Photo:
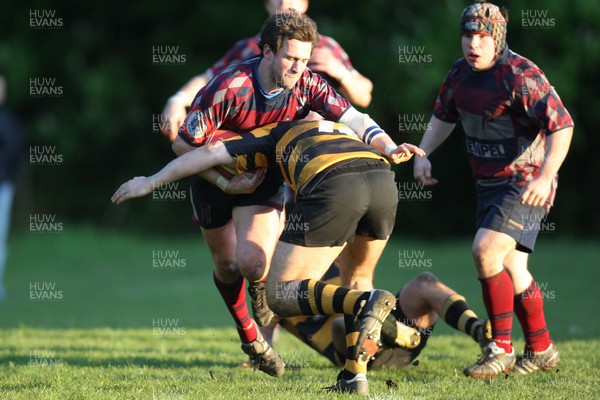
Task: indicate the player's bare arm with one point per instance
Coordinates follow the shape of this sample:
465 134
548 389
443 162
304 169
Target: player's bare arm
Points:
181 147
355 87
404 152
174 111
396 153
245 183
370 133
192 162
537 191
437 132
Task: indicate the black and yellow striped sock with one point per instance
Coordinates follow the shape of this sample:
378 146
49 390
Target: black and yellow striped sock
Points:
318 298
352 366
458 315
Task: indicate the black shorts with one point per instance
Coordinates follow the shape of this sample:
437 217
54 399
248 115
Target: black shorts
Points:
395 356
357 197
213 207
499 209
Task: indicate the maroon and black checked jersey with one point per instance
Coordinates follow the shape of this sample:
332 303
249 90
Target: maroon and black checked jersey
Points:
234 100
247 48
506 113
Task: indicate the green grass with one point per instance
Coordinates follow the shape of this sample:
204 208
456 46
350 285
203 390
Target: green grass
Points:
97 340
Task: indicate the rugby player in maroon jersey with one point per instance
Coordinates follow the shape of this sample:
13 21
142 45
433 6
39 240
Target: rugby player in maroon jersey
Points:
241 230
517 133
328 59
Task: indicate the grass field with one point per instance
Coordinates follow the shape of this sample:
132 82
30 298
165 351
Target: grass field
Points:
93 315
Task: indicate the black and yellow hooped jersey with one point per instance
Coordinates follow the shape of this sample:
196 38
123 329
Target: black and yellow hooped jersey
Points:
300 149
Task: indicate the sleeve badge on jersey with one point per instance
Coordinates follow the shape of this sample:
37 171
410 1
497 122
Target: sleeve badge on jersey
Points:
196 125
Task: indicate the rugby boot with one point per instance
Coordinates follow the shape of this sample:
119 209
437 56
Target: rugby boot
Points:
394 333
370 317
263 357
531 361
493 361
357 385
260 309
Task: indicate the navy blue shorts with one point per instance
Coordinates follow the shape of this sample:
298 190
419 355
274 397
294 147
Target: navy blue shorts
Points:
499 209
213 207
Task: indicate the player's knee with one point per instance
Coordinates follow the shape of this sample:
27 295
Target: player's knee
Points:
252 263
420 283
254 271
486 259
363 284
426 278
481 254
226 271
491 247
360 281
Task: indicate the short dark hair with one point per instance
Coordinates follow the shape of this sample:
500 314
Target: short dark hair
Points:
287 24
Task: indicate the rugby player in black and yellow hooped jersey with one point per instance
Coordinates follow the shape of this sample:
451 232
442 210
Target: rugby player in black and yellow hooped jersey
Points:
345 196
419 304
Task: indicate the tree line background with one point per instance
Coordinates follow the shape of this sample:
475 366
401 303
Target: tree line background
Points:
102 124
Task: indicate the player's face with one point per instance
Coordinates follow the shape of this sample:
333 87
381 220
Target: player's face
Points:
479 51
289 63
274 5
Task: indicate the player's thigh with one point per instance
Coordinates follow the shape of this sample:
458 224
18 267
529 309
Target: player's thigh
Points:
358 261
294 262
221 243
257 229
258 223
